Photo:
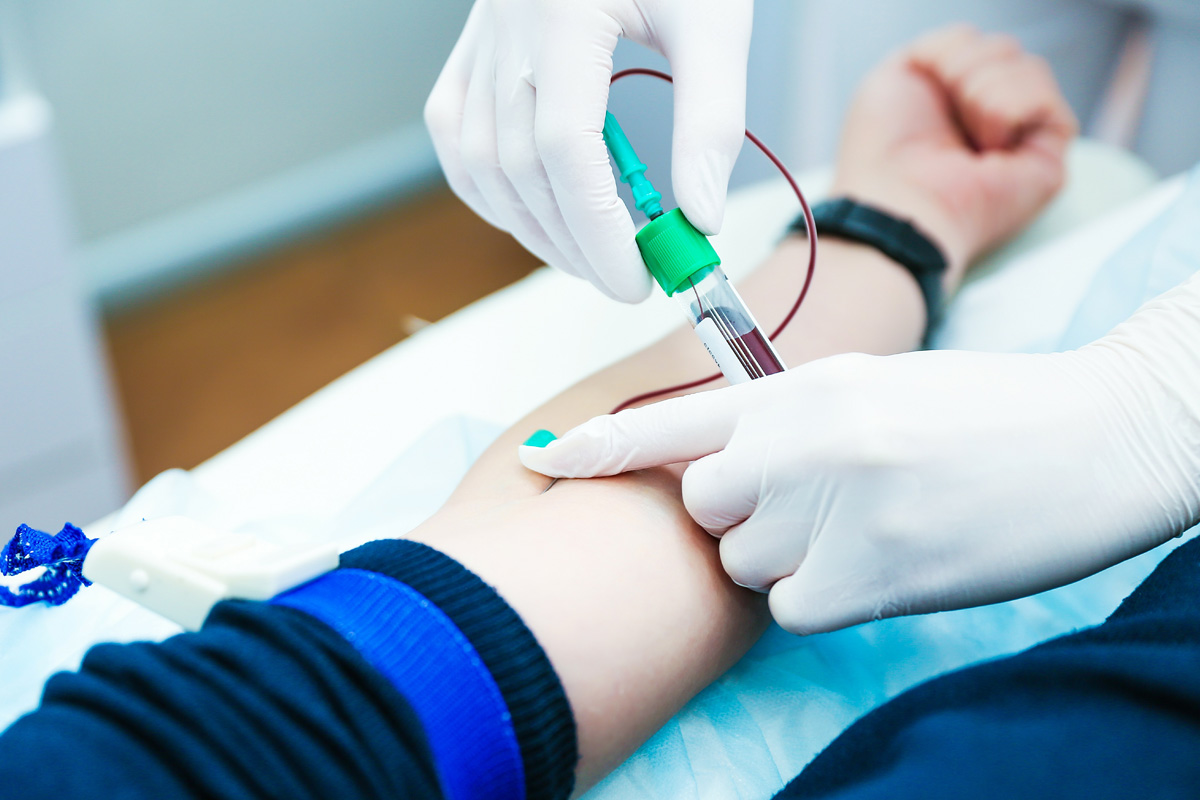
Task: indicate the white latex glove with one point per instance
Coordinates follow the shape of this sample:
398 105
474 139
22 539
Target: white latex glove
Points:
517 113
862 487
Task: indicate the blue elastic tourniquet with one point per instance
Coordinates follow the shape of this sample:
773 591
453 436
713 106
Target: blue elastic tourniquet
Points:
413 644
62 556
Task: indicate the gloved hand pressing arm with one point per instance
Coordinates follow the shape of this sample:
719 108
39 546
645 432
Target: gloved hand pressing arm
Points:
517 113
859 487
862 487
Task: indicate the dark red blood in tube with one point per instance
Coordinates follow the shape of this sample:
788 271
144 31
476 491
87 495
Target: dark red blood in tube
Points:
752 348
759 350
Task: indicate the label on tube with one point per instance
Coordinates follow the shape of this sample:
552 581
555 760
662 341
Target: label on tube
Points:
721 352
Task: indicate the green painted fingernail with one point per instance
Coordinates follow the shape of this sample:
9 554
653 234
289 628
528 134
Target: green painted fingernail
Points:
540 439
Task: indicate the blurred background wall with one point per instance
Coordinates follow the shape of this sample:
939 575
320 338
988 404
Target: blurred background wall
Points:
192 129
62 455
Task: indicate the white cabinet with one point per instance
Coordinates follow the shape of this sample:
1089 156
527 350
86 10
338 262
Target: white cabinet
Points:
61 454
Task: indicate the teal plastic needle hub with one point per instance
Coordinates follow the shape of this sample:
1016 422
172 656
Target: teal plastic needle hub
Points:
633 171
674 251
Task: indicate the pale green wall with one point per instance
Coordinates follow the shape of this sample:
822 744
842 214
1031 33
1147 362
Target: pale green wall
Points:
163 104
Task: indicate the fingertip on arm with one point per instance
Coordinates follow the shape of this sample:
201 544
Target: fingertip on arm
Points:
546 460
592 450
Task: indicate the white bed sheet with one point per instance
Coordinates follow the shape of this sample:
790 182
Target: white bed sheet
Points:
377 451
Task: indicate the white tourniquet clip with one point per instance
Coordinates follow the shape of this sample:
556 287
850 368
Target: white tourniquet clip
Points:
180 569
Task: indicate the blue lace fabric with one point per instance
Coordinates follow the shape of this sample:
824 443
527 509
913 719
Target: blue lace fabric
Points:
61 555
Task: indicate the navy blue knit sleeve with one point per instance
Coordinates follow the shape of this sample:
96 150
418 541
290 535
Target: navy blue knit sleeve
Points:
540 714
264 702
285 699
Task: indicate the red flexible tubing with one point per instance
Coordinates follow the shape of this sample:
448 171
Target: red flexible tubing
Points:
809 224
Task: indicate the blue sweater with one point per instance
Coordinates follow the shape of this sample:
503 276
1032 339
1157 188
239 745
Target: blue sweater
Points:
401 675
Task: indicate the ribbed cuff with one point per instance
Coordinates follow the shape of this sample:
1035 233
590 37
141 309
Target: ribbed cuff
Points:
418 649
541 715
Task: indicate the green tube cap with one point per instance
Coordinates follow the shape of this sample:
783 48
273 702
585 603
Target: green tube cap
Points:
674 250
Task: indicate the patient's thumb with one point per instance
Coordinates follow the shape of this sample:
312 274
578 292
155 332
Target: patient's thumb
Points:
671 432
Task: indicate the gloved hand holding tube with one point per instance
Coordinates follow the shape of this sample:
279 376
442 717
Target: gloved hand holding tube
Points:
517 113
860 487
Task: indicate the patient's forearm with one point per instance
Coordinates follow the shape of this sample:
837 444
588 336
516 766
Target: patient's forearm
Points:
859 302
624 592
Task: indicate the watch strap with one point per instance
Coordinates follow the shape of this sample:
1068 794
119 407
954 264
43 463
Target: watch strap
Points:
896 238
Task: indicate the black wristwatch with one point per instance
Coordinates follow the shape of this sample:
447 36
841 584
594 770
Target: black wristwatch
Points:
897 239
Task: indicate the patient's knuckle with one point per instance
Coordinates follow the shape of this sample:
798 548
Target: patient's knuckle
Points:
1004 44
981 91
1040 67
948 36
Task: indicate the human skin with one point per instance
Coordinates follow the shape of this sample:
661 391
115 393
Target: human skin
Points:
619 585
622 589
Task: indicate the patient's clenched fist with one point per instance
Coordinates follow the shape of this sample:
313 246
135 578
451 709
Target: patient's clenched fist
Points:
963 133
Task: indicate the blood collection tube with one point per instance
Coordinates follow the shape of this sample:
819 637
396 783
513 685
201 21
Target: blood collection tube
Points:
724 324
686 266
